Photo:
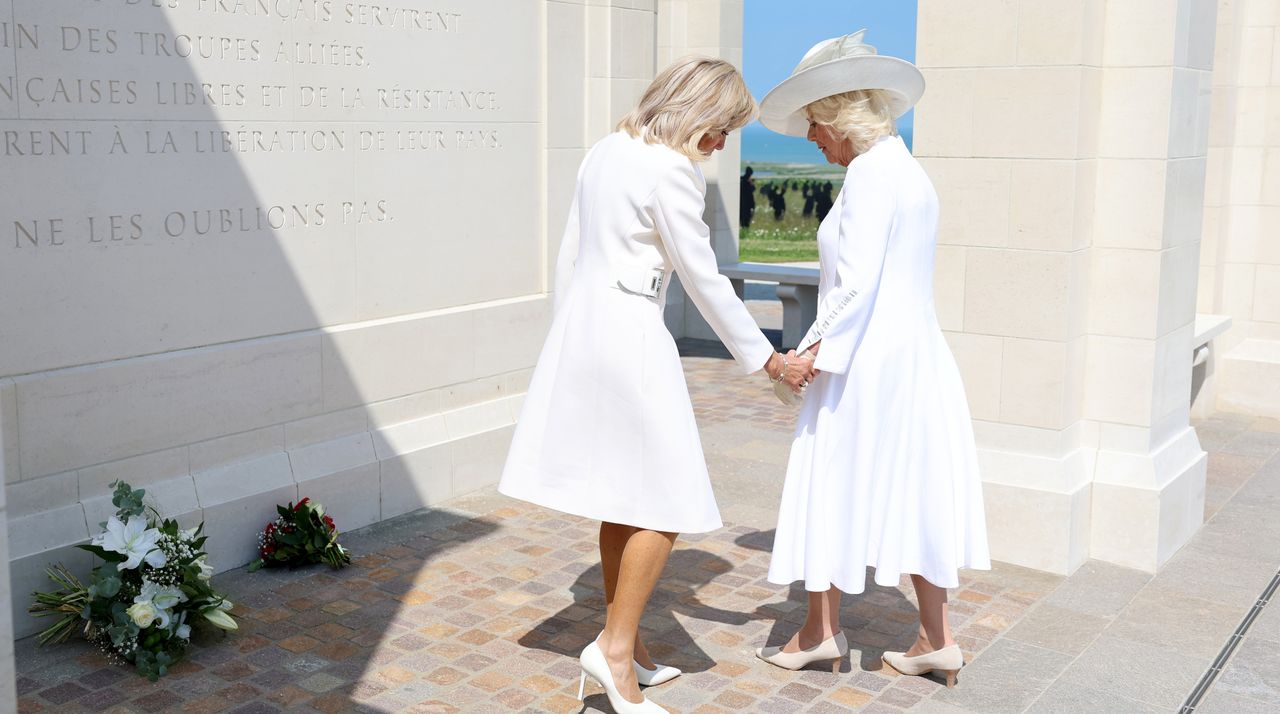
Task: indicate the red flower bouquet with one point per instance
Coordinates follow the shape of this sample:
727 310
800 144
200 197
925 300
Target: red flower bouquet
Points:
301 535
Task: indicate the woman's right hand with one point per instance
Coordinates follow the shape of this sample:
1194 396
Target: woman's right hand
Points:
799 371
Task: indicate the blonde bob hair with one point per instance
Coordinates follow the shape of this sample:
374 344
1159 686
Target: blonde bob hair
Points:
693 97
861 116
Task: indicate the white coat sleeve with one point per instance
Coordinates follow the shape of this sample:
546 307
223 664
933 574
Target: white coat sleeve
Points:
677 205
568 255
866 222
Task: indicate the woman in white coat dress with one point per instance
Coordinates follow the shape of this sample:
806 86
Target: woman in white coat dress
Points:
607 430
883 469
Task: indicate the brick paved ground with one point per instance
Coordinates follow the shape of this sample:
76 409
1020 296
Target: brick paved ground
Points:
482 606
455 613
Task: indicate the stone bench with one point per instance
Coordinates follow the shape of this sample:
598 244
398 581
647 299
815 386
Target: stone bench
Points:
1206 328
797 289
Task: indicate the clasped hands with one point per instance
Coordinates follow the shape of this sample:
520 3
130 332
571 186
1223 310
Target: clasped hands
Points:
798 371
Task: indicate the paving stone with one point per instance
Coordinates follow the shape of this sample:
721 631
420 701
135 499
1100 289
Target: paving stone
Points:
1267 624
1224 578
1253 672
1221 702
63 693
320 683
1177 623
162 700
1259 444
102 699
1065 696
101 678
1007 677
1058 629
1149 674
1099 589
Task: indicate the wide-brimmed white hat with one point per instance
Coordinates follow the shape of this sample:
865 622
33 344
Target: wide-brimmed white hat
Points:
834 66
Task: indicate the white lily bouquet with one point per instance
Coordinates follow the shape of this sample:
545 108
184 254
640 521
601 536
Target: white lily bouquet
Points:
143 599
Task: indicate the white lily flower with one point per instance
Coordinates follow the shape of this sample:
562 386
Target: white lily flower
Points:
161 598
134 541
165 597
220 619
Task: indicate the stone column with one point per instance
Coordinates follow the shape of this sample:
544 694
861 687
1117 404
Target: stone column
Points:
1148 495
1240 258
600 58
1067 143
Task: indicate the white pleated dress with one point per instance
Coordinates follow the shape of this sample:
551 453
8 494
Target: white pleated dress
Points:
607 429
883 470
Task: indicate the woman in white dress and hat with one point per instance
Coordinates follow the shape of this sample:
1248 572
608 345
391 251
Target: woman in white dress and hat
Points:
883 470
607 430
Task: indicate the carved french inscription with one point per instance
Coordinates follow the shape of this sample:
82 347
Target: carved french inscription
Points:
191 172
239 82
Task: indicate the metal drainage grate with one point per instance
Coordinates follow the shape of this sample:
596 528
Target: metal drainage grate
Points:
1206 681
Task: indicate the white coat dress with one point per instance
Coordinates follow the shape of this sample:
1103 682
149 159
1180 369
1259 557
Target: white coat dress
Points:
607 430
883 469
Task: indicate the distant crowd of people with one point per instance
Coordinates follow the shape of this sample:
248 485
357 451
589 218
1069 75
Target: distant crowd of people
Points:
816 194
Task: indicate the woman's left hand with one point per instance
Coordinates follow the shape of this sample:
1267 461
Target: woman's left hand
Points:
799 371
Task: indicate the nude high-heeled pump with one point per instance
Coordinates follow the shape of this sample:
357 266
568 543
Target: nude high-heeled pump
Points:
597 667
946 661
832 648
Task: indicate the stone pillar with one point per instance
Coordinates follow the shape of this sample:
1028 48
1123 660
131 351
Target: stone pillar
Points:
1067 142
600 58
1240 258
713 28
1148 496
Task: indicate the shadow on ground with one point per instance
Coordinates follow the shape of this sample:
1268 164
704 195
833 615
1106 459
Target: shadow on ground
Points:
571 629
862 616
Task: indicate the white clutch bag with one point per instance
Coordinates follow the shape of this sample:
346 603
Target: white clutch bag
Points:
786 396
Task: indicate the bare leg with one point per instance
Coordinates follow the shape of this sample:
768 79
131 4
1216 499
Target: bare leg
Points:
613 539
935 627
821 622
643 557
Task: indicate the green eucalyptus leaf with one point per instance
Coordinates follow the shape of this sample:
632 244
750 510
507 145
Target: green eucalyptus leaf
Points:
108 555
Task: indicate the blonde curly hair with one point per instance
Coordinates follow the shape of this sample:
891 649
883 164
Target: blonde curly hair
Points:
861 116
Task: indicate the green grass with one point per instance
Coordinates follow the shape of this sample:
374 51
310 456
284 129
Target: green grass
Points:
792 239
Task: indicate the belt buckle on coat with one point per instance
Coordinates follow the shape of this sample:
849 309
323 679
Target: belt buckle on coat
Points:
653 286
644 281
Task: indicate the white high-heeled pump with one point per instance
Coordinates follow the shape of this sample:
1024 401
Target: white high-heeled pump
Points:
947 661
833 648
660 674
594 664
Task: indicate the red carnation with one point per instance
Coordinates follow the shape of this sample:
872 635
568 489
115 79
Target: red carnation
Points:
301 503
329 522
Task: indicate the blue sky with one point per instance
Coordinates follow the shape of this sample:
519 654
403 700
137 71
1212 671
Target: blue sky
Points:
777 33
